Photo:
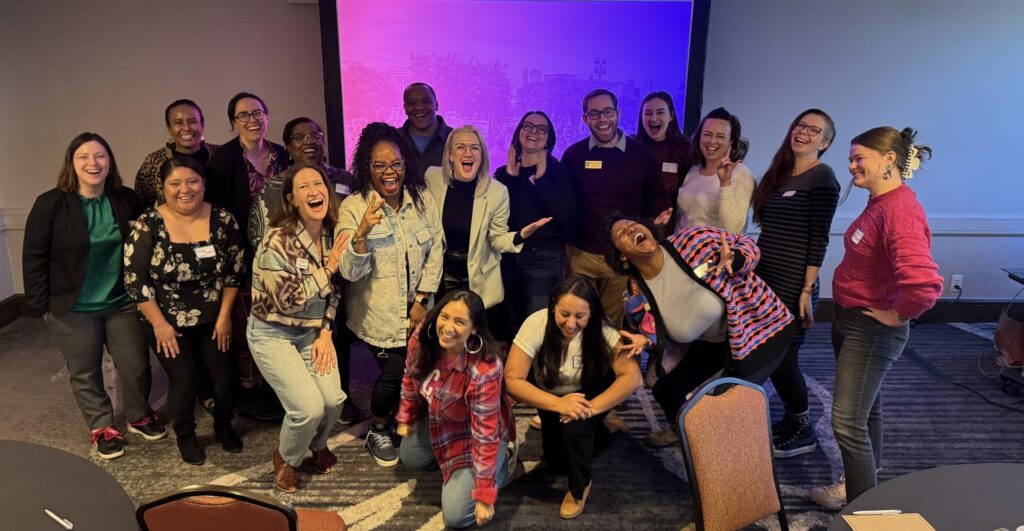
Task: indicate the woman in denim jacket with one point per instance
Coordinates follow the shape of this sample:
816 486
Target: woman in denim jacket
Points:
393 263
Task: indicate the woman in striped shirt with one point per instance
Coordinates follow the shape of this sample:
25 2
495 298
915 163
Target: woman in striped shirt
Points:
794 204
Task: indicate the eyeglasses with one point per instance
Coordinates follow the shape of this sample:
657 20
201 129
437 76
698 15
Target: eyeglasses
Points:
535 128
461 148
382 167
812 130
246 116
318 136
607 113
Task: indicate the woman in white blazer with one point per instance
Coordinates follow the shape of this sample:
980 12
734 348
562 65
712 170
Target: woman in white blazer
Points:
474 215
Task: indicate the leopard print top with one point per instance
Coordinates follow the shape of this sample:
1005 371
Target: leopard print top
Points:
147 180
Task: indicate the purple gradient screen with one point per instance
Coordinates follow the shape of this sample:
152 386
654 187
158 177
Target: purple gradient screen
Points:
491 61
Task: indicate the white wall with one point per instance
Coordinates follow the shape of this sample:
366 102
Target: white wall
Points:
954 70
112 66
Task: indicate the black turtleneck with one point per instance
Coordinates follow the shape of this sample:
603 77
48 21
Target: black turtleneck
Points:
457 215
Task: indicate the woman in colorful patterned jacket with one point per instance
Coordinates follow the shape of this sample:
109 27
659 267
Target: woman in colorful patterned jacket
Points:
697 286
295 294
454 411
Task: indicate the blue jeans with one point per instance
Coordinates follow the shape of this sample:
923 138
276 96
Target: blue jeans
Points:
311 402
458 508
865 350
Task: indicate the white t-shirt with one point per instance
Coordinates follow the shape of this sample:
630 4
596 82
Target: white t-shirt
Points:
530 337
689 310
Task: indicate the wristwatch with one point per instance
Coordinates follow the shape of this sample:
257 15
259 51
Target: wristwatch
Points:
422 299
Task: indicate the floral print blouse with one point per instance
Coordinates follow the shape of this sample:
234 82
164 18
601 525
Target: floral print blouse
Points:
185 279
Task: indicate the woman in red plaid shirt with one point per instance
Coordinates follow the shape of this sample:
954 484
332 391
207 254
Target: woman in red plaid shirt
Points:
454 412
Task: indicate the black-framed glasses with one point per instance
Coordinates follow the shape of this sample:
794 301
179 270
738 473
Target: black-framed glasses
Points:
607 112
244 116
316 135
382 167
535 128
812 130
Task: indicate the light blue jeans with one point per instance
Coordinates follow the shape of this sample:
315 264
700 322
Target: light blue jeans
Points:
311 402
865 351
458 508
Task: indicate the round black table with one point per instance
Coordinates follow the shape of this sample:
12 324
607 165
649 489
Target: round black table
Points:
34 477
978 497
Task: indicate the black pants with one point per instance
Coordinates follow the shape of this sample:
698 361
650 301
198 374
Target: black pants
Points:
388 387
197 342
788 380
571 447
343 339
703 359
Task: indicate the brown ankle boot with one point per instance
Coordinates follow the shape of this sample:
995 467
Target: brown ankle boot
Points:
323 460
285 478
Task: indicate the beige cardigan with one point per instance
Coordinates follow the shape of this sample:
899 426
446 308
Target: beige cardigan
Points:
488 234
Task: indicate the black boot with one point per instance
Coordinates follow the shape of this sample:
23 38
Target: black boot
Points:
191 452
229 439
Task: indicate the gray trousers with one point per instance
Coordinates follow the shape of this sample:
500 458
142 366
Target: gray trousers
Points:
81 338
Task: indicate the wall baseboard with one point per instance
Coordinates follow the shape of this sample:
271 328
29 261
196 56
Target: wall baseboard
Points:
11 309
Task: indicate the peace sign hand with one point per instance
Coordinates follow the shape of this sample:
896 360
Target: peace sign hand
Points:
725 169
372 216
725 257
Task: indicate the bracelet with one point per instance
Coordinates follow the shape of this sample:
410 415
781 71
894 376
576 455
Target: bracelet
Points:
363 239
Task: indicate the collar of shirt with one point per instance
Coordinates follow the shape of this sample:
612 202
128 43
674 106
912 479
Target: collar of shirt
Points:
306 240
621 144
439 133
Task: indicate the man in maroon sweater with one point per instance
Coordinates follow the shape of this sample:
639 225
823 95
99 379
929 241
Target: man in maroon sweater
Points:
611 174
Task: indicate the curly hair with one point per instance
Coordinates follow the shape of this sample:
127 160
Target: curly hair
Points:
373 134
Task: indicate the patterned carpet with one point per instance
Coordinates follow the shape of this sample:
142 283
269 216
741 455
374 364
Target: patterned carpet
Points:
928 421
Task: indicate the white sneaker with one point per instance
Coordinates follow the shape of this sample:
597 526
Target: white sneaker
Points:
830 496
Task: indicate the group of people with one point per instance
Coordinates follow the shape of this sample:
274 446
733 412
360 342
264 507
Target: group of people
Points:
543 282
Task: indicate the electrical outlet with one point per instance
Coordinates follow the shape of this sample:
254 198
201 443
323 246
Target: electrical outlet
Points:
956 283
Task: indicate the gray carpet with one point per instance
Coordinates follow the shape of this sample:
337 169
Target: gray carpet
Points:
929 423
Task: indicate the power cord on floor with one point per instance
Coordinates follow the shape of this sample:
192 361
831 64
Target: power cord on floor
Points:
936 315
937 373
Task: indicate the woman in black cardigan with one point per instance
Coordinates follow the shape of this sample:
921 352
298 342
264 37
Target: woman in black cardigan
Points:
236 173
72 265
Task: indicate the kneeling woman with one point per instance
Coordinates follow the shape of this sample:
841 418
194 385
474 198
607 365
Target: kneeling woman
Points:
580 378
454 370
293 307
698 286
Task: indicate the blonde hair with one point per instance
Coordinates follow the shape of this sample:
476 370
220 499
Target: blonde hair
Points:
483 174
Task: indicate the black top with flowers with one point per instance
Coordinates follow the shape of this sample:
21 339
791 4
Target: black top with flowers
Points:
186 279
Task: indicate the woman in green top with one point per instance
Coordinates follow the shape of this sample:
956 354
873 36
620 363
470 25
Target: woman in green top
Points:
71 262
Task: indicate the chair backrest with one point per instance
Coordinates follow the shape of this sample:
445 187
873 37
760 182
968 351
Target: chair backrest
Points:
218 507
728 450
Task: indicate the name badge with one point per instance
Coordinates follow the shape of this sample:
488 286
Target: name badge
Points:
790 193
302 263
670 167
857 235
341 189
701 270
593 164
206 251
577 361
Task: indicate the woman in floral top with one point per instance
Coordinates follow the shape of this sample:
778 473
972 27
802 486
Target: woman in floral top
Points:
182 265
454 411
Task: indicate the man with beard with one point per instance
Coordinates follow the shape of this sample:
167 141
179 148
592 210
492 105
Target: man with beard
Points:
611 173
424 129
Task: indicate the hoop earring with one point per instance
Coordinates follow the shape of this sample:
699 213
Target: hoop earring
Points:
478 348
429 328
624 262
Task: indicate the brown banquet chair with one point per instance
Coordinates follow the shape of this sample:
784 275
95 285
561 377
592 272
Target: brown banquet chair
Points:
216 507
727 446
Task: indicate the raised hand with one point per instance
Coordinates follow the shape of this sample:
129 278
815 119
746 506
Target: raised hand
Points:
725 169
372 216
631 344
725 257
542 166
663 218
512 166
528 230
334 259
